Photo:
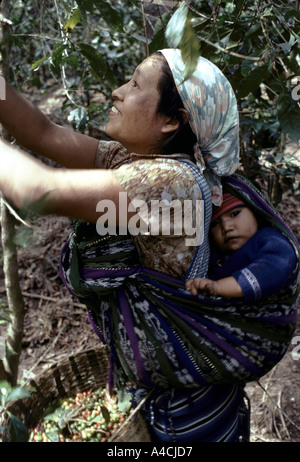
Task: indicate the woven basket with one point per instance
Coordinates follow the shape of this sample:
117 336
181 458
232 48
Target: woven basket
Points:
86 371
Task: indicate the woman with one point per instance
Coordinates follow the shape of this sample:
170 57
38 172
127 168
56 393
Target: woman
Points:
150 120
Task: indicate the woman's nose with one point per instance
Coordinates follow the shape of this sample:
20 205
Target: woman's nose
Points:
118 93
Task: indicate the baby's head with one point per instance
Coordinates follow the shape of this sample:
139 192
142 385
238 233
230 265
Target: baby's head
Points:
232 224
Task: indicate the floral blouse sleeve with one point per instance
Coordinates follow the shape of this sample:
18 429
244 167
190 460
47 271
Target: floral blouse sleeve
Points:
110 154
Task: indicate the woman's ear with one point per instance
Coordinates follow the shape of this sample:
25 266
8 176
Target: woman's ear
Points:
172 124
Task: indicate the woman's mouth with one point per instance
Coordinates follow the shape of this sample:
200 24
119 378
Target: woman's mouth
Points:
114 110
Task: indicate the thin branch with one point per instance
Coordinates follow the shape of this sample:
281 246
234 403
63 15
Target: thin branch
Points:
52 299
232 53
10 263
145 27
276 405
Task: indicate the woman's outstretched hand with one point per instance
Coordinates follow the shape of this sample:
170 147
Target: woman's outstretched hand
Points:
35 131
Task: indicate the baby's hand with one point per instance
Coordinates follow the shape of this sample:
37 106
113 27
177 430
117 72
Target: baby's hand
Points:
201 284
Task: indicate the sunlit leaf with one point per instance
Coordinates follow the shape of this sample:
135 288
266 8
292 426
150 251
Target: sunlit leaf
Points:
5 388
124 400
189 46
17 393
78 117
73 20
176 26
180 34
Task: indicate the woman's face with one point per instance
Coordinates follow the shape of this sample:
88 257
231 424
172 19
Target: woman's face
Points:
133 119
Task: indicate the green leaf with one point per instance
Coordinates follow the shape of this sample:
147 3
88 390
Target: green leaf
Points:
124 400
189 46
97 62
255 76
18 393
110 15
289 116
176 26
83 7
53 435
106 414
78 117
286 47
158 41
73 21
5 388
180 33
58 57
86 5
18 431
39 62
72 61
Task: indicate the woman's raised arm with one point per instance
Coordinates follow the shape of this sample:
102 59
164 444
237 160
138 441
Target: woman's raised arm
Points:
26 182
33 130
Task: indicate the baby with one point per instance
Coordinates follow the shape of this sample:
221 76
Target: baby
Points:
247 260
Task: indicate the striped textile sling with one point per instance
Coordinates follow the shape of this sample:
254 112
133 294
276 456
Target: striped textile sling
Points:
199 350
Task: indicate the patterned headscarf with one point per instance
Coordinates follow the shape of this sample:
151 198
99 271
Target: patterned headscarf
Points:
211 103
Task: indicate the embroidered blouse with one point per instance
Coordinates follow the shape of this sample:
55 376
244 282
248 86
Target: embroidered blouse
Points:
171 197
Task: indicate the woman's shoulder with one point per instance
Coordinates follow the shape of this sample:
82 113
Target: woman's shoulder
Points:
111 155
166 178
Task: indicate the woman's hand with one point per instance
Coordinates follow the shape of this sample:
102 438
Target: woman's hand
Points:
25 181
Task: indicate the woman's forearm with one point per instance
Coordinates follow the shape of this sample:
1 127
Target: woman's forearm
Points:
29 184
22 120
21 176
35 131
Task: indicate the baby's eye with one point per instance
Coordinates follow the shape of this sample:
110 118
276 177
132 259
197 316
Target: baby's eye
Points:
135 84
235 213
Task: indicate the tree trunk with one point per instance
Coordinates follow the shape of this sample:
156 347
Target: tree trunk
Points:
9 364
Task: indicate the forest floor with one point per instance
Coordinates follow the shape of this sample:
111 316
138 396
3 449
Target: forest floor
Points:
56 327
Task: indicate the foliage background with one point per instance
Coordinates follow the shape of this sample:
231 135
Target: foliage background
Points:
91 46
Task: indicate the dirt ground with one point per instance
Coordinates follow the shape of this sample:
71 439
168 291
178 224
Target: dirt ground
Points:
56 326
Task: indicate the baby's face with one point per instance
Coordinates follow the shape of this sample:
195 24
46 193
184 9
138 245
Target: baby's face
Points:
234 228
